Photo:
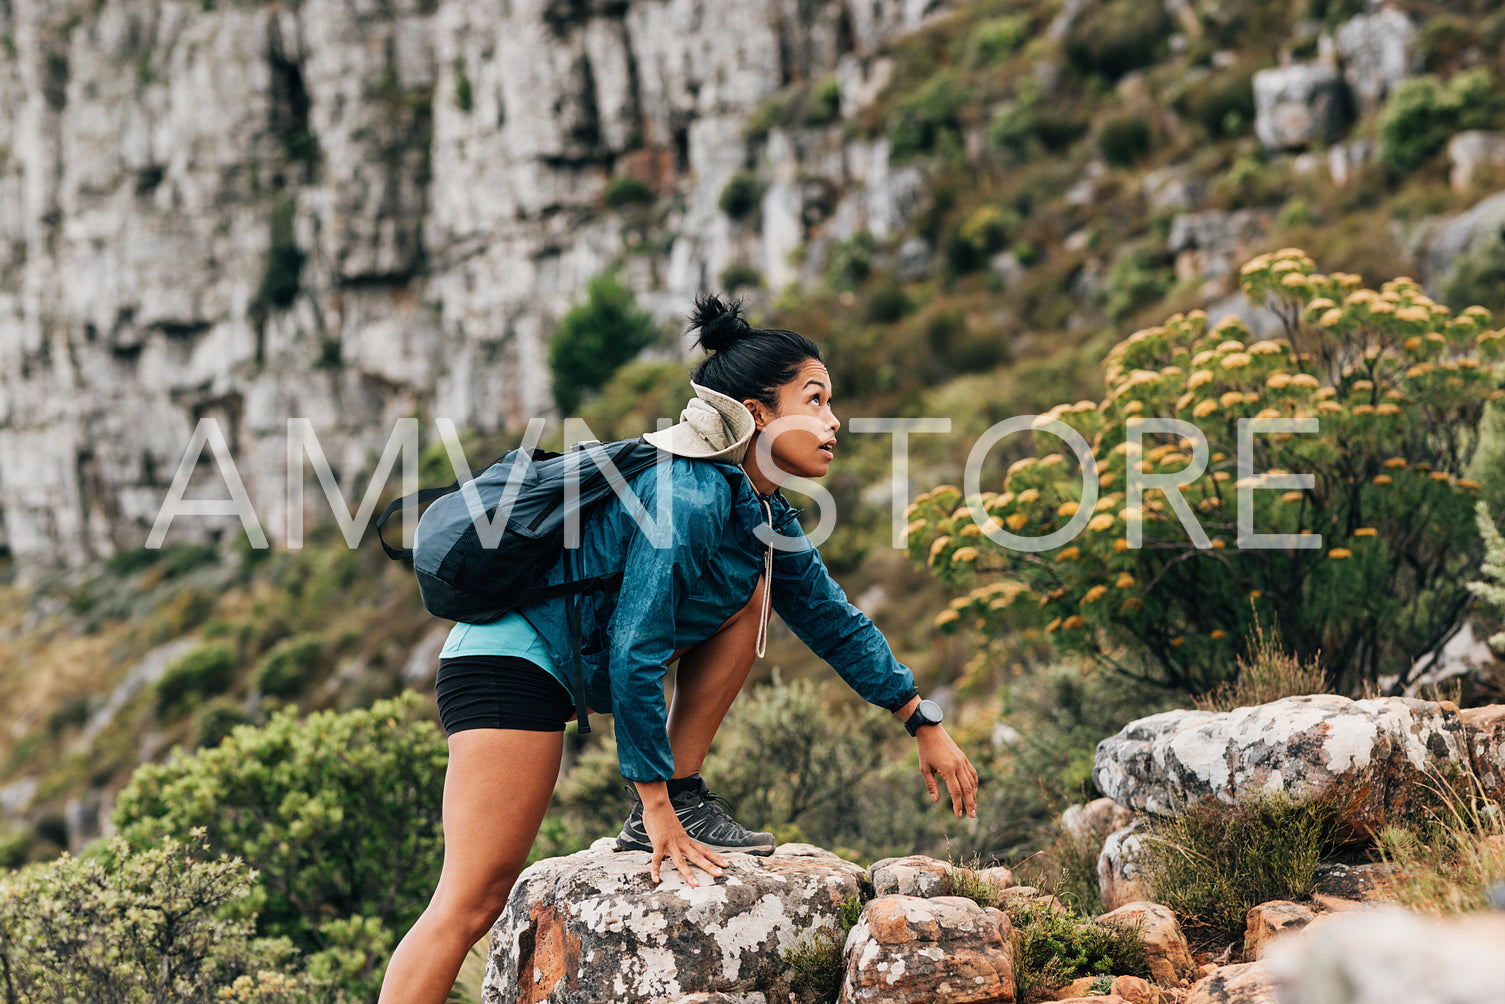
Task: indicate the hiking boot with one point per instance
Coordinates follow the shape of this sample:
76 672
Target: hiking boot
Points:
700 812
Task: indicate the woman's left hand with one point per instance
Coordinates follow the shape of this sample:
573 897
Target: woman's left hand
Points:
939 754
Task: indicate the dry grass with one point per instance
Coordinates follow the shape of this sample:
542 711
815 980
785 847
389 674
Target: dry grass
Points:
1268 673
1451 861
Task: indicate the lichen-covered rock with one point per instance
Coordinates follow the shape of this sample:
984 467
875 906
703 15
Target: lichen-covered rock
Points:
1095 820
1267 920
1248 983
1118 877
1170 957
1376 755
1485 728
1298 106
592 927
1392 955
1379 50
1362 882
908 950
915 875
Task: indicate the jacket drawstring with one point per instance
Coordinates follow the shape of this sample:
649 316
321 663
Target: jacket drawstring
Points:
767 581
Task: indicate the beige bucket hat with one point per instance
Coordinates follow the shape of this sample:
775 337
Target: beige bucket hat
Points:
713 426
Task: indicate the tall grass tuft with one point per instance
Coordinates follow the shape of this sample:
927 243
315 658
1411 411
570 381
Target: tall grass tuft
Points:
1266 674
1214 861
1453 861
817 959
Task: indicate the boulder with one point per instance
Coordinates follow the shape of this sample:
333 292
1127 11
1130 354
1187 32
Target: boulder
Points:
592 927
1460 234
1298 106
1379 50
1118 877
915 875
1485 729
1374 756
1267 920
1338 883
1170 958
1468 151
1095 820
1388 954
905 950
1249 983
1135 990
1210 244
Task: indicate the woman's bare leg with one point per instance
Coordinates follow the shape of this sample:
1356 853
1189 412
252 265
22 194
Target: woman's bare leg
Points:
709 677
496 789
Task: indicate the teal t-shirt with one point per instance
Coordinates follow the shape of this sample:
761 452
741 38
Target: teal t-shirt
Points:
511 635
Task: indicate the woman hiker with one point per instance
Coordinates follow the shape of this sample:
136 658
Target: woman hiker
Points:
504 689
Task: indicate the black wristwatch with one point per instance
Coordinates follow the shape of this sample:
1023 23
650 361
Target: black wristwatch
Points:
928 713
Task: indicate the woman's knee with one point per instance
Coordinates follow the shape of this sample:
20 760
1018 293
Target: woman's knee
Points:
474 910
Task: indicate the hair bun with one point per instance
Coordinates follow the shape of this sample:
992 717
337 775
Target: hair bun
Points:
720 321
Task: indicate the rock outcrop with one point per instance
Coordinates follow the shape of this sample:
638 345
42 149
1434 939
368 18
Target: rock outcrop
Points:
593 928
353 213
1170 958
1269 920
1298 106
909 950
1247 983
1374 757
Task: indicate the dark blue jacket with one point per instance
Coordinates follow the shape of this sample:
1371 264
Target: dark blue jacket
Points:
678 595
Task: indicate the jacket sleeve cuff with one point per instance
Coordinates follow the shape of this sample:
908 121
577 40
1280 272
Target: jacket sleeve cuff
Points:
904 699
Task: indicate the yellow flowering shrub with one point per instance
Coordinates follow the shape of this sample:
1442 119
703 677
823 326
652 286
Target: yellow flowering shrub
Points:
1398 385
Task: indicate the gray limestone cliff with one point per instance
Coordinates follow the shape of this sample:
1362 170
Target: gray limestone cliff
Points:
352 211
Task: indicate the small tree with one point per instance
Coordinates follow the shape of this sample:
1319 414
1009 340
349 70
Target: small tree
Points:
1398 386
595 338
339 815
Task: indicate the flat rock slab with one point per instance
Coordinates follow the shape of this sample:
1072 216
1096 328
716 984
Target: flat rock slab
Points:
592 927
1249 983
909 950
1376 757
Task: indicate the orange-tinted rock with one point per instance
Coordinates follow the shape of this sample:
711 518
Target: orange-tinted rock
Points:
1267 920
1485 731
1135 990
909 950
1118 878
1170 958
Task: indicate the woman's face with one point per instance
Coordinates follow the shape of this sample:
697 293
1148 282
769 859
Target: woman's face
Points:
802 432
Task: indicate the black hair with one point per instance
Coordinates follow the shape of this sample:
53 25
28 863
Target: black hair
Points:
745 362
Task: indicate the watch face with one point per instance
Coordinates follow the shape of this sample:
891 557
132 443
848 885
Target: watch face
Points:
930 712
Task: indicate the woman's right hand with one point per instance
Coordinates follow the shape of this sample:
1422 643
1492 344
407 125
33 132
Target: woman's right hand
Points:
670 839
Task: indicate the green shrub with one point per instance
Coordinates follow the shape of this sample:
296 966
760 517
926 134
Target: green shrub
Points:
986 228
464 96
1400 387
1052 948
1491 589
739 275
216 720
1025 127
126 925
996 40
339 815
816 959
1221 103
930 117
284 671
281 277
850 262
1478 276
594 338
1215 861
1125 140
1423 113
887 303
625 190
204 672
825 103
1119 36
742 196
1138 277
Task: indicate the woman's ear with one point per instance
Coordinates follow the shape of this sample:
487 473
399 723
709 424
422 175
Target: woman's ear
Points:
760 413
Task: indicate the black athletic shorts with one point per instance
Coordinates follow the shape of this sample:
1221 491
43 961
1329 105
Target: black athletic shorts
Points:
500 692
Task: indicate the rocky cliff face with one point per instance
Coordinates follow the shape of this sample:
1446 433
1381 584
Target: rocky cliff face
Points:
356 210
